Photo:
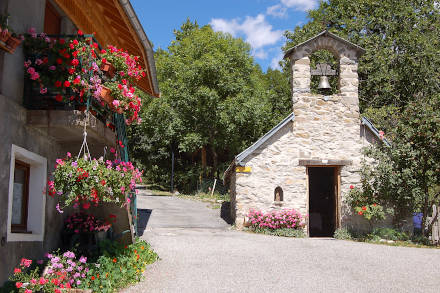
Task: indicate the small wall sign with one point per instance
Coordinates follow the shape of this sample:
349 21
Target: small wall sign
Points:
243 169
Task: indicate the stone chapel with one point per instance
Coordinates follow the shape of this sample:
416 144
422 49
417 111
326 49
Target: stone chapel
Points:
310 159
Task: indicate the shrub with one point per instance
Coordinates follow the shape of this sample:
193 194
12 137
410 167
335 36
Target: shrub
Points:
342 234
389 234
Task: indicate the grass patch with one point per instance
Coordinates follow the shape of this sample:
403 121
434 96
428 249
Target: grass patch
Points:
215 201
385 236
282 232
161 193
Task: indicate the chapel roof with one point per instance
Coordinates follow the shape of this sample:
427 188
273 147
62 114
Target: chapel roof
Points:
323 34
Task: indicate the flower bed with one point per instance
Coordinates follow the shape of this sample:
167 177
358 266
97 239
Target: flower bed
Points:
288 223
116 267
84 182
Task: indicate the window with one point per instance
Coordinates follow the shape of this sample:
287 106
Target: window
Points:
278 194
20 197
26 199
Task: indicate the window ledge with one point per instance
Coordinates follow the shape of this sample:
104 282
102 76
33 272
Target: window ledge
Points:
14 237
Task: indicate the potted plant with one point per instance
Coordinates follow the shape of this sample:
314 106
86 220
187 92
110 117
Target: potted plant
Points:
8 38
86 181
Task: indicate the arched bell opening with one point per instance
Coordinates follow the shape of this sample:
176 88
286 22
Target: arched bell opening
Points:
324 69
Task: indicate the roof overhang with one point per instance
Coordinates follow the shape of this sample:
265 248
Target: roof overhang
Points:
322 34
115 23
369 124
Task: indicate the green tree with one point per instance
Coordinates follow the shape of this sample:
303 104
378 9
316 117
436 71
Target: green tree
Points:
401 39
215 101
407 174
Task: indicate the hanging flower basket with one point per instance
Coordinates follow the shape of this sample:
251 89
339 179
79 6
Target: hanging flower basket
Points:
91 181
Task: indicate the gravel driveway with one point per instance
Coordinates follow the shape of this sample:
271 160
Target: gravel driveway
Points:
199 253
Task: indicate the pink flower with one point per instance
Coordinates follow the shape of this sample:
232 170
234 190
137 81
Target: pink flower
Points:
381 134
35 76
53 67
31 30
31 70
38 61
58 208
26 262
27 63
112 150
115 103
69 155
60 162
43 91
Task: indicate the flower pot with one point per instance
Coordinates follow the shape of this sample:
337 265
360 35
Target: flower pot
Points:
12 43
4 35
108 69
107 97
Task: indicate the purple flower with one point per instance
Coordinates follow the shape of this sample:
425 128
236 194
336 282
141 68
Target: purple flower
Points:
53 67
74 164
82 259
58 208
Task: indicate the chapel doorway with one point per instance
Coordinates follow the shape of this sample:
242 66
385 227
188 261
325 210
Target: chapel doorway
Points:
323 201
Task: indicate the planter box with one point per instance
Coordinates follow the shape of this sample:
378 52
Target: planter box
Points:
108 69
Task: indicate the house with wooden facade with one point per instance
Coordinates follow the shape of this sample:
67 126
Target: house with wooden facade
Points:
36 129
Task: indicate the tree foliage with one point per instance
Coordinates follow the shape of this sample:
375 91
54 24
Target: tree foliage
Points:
407 174
401 39
215 100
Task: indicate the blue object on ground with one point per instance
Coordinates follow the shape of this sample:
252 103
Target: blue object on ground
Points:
417 220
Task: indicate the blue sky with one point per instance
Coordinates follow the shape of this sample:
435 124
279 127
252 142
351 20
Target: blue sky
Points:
259 22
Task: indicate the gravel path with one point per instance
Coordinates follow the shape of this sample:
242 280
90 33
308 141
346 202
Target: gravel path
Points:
199 253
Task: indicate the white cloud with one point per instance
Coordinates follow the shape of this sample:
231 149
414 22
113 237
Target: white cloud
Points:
302 5
256 31
259 53
277 11
274 63
226 26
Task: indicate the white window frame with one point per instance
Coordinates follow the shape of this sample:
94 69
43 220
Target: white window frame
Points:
37 195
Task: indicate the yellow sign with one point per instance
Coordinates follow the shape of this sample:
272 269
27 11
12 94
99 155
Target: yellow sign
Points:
244 169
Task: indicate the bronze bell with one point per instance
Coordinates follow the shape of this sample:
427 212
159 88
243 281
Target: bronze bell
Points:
323 83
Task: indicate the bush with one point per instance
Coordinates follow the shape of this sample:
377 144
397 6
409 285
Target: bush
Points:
342 234
389 234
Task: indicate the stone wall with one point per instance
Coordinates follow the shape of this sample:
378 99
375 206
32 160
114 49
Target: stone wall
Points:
325 128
